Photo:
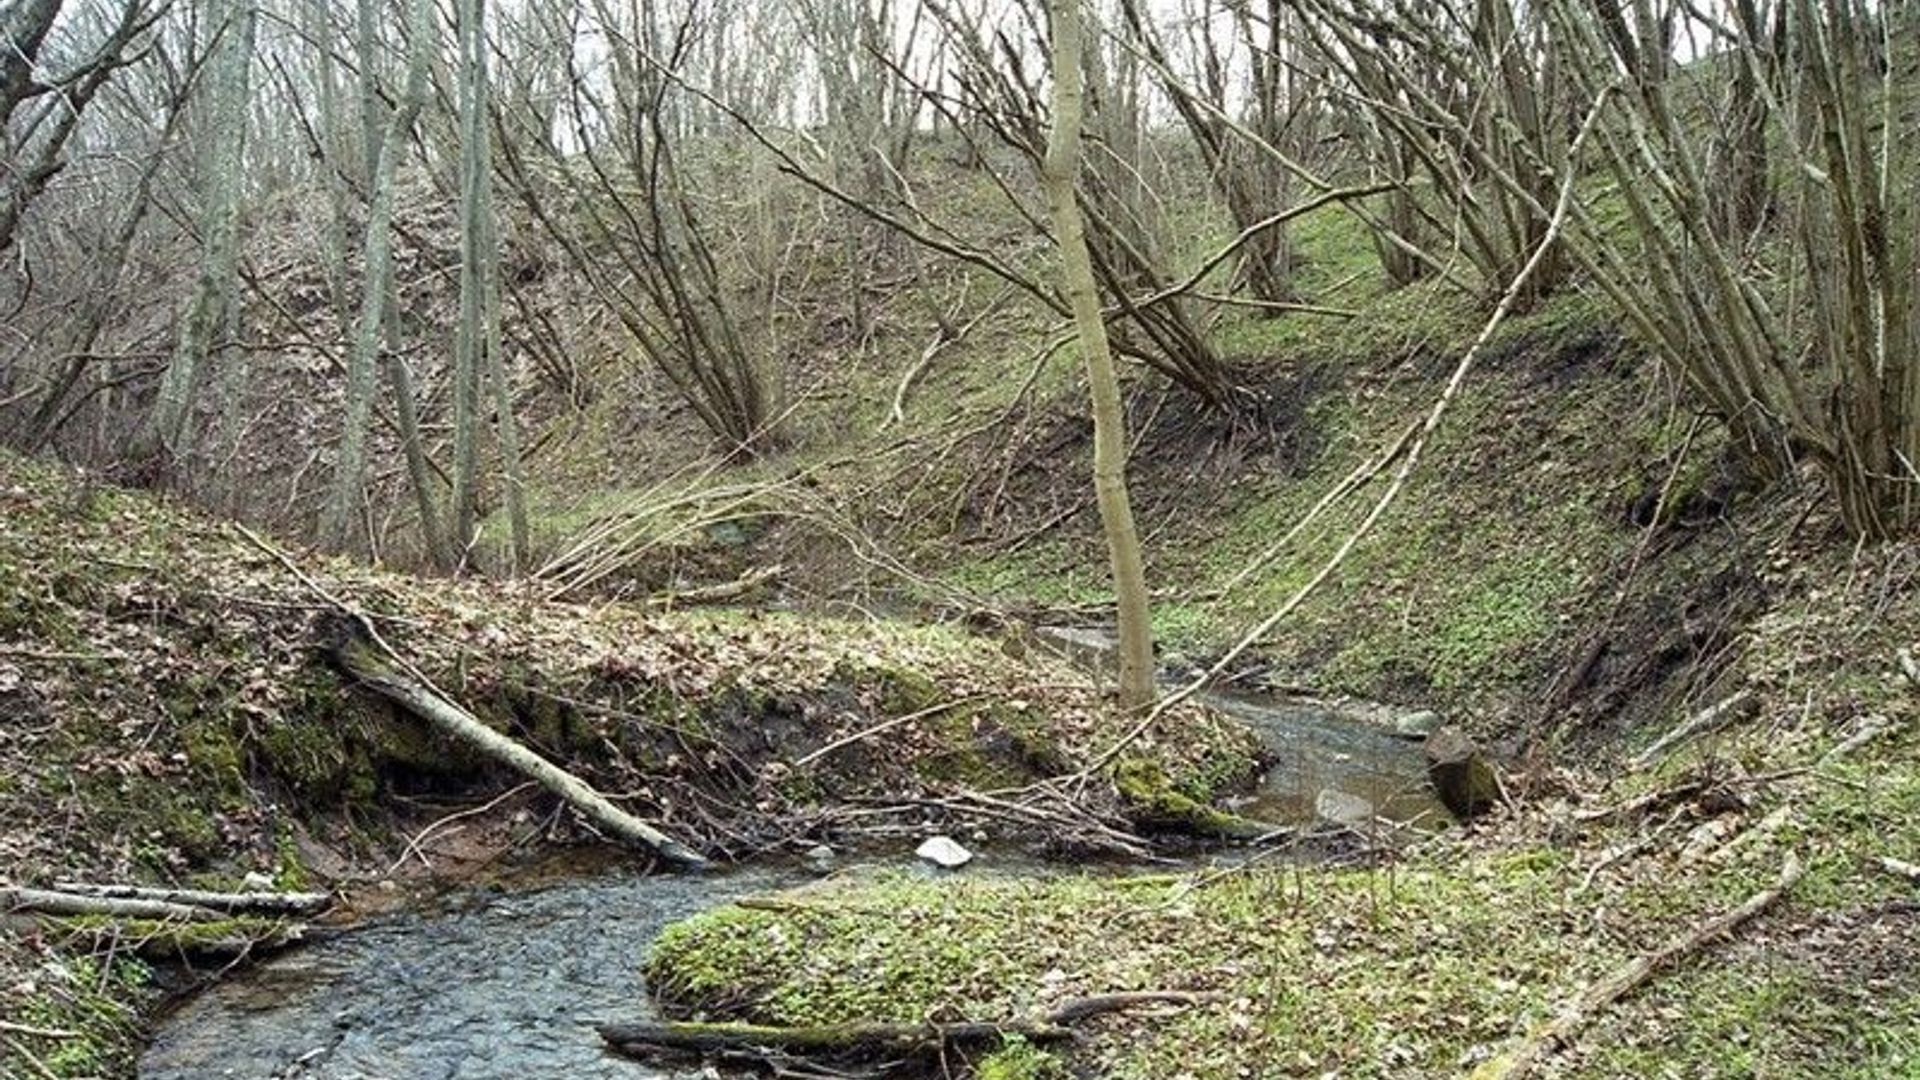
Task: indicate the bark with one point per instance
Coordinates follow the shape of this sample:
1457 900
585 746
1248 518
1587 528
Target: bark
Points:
50 902
478 341
378 672
170 422
350 471
235 903
866 1039
1060 171
1582 1011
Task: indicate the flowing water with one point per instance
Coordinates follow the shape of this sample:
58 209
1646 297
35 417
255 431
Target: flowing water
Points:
1329 765
1337 761
489 986
492 985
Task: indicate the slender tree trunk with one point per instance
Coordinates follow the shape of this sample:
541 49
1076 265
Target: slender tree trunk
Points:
480 276
470 340
350 471
222 143
1060 171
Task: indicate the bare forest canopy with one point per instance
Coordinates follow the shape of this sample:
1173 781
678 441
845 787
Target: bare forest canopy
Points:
358 268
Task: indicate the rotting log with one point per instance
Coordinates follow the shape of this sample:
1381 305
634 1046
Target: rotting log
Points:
365 661
848 1040
865 1039
232 903
51 902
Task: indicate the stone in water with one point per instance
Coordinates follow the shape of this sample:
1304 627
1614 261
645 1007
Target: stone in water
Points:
944 852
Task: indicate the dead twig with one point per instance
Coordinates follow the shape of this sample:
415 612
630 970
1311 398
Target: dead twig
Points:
1564 1028
1899 868
413 845
885 725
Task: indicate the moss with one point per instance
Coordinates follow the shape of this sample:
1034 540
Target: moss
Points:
214 754
1368 973
168 939
96 998
1020 1060
1154 800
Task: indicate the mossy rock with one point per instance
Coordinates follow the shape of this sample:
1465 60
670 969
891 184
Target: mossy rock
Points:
1156 802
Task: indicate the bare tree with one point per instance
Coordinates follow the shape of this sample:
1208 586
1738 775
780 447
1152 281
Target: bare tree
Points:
350 467
221 146
1061 163
39 113
477 348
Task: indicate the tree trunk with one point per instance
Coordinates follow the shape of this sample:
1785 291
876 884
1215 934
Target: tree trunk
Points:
1061 169
478 342
377 672
169 423
350 471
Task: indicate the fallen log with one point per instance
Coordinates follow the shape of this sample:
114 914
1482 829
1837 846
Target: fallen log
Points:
374 665
864 1040
871 1040
51 902
720 593
232 903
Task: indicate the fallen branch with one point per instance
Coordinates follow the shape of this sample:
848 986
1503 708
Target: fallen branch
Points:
376 667
720 593
885 725
10 1028
413 846
857 1040
1581 1011
39 1067
50 902
236 903
1900 868
867 1039
1871 728
1711 718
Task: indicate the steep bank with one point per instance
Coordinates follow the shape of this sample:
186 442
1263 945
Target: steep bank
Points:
172 717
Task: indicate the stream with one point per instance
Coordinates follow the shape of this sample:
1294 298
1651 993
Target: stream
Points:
489 984
486 986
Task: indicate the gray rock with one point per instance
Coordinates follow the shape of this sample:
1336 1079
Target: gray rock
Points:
1417 725
944 852
1342 807
820 857
1461 774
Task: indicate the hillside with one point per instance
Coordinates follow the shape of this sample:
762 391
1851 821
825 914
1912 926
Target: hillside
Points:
978 539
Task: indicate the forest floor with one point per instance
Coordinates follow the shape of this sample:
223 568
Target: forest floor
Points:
1575 571
173 716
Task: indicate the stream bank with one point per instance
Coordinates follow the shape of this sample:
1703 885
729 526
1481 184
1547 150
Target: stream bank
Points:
500 982
173 719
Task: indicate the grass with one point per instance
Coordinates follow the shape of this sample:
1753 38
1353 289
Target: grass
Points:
1425 968
1315 969
180 720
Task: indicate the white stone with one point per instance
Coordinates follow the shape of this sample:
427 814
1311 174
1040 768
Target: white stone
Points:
944 851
